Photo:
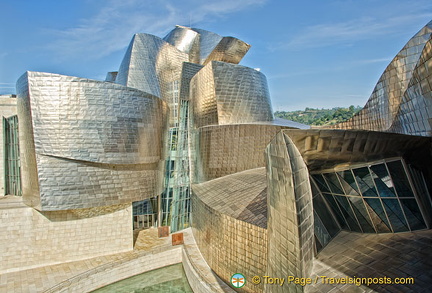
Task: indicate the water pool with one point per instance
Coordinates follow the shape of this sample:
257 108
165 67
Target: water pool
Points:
166 279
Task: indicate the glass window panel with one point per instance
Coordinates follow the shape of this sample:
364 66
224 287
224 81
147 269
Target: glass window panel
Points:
319 247
336 211
365 181
314 188
320 231
361 213
320 207
348 213
377 215
382 180
413 214
321 183
422 193
395 215
400 179
333 183
347 178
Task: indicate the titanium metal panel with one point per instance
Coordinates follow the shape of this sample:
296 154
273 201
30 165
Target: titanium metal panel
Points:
333 149
229 50
224 93
242 195
415 112
149 64
223 150
186 40
208 41
188 71
290 214
88 143
385 105
227 241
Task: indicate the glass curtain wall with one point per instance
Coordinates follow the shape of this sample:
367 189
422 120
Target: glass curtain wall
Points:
167 195
326 226
175 200
375 198
12 173
145 213
180 208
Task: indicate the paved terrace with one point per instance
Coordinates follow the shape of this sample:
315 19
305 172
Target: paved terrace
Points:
397 255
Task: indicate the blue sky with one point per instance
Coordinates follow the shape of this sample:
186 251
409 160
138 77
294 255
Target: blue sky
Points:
314 53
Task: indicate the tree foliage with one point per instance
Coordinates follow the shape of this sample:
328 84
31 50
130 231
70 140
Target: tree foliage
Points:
313 116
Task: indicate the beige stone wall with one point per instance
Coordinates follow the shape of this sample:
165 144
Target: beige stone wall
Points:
229 245
29 238
7 108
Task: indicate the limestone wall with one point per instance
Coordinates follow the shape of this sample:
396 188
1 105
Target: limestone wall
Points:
29 238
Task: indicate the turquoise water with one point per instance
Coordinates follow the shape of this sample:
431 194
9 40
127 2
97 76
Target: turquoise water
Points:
167 279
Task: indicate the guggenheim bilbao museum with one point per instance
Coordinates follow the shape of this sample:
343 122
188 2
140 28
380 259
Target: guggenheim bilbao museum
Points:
182 136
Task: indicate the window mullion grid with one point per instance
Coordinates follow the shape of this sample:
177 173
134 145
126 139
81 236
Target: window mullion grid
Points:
349 202
414 190
364 202
397 194
337 203
325 202
382 204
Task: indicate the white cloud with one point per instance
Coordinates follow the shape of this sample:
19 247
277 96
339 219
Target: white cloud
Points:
377 60
348 32
111 28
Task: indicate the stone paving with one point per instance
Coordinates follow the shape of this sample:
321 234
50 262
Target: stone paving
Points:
42 278
397 255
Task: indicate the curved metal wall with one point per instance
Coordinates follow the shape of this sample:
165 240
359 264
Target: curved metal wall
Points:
415 112
208 41
227 213
386 104
94 143
227 149
224 93
186 40
229 50
146 61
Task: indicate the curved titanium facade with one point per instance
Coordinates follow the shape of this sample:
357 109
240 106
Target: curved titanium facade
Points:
228 149
228 206
208 41
153 66
392 107
224 93
290 222
415 110
91 143
229 50
103 145
186 40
